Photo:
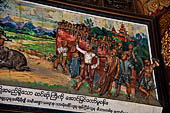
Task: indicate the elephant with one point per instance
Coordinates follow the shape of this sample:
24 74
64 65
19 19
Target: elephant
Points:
13 59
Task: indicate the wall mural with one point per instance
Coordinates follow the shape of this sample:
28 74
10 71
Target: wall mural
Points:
72 52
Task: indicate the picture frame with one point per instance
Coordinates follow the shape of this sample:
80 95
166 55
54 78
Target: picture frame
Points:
79 75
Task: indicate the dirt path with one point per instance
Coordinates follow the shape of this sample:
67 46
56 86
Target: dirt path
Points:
41 70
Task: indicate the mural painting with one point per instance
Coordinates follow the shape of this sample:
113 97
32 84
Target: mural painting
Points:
67 51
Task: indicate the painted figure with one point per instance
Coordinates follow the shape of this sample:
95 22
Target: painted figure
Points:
87 73
111 69
75 63
146 83
62 56
119 49
102 49
126 72
130 53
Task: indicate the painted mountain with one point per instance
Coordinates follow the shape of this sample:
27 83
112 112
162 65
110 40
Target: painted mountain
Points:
26 28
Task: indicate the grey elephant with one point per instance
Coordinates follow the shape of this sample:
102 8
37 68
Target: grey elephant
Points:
13 59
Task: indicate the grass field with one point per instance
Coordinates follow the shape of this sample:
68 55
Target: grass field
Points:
45 48
43 45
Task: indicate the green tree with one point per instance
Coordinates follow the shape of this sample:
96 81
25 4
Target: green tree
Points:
88 22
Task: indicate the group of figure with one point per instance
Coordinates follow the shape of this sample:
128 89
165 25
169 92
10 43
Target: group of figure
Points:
75 29
83 59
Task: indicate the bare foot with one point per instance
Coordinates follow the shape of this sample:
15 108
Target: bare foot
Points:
98 90
147 99
109 95
76 88
116 95
91 91
128 97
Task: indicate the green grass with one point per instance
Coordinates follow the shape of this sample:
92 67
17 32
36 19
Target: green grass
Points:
34 84
45 48
19 36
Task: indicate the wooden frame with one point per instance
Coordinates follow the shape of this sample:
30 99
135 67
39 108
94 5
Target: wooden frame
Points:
146 31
